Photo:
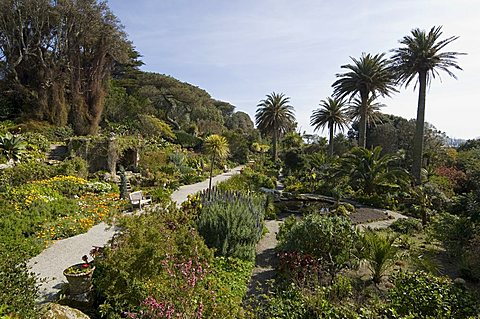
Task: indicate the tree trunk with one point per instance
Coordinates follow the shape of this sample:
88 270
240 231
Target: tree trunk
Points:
211 175
331 140
419 129
362 125
274 142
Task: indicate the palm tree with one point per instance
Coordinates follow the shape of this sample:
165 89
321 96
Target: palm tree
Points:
332 115
217 147
371 75
274 116
420 58
371 172
373 114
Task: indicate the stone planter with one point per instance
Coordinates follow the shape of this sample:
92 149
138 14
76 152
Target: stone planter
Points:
79 283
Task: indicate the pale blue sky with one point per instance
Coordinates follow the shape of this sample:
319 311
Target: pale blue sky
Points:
239 51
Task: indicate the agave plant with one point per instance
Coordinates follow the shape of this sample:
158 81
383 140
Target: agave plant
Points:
12 147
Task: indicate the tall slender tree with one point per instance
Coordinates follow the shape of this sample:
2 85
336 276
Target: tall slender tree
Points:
274 117
371 75
332 115
421 58
217 147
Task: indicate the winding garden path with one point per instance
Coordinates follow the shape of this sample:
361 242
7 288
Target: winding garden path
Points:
50 263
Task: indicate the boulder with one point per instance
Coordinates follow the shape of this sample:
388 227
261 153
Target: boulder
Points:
460 281
56 311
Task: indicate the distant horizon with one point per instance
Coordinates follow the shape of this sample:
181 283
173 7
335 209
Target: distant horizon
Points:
239 51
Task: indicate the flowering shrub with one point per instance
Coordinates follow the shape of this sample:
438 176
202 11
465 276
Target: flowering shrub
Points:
161 268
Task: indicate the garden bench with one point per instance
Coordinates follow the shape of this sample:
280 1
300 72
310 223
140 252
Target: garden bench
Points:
138 199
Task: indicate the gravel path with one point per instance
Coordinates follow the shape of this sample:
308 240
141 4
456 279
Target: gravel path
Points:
393 216
50 263
265 260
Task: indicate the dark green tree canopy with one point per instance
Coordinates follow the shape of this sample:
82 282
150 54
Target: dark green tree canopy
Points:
57 57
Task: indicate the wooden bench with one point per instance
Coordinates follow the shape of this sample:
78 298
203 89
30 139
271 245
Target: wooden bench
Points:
138 199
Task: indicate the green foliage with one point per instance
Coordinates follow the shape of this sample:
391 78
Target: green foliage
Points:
160 258
407 226
331 240
25 172
370 172
286 227
187 140
12 147
74 166
420 295
379 251
232 226
150 126
452 231
248 180
19 291
229 278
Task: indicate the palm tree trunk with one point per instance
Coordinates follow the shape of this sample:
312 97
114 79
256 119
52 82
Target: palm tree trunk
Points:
211 174
331 140
274 142
362 125
419 128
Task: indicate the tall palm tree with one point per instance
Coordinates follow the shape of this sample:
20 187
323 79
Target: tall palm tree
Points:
373 114
217 147
331 115
371 75
420 58
274 116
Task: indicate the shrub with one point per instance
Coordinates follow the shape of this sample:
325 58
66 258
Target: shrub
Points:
19 291
25 172
159 262
233 225
331 240
75 166
420 295
248 180
407 226
471 262
454 232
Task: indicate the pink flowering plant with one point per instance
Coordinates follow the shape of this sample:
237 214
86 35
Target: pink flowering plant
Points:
160 268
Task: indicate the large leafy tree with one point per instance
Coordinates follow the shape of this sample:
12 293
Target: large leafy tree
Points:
274 117
217 147
371 75
57 57
331 115
421 58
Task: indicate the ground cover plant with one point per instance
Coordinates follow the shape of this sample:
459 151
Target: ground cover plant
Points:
38 212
